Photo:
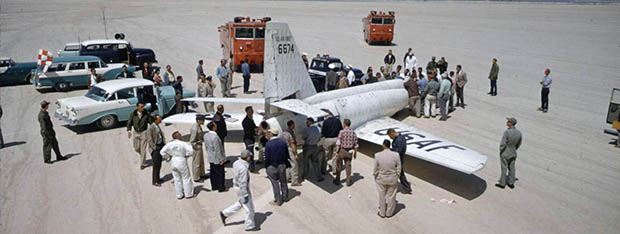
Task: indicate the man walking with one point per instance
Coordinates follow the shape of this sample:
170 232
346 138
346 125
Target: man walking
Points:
544 93
222 74
386 170
444 96
414 94
429 94
511 141
179 151
347 150
276 161
493 77
290 139
399 145
156 143
249 135
461 80
245 69
199 70
196 138
216 157
139 120
389 61
48 134
310 156
218 119
330 129
241 181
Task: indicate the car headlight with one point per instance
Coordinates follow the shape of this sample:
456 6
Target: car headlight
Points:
72 110
57 105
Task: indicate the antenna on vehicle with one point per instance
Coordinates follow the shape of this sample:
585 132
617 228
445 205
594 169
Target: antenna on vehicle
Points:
105 26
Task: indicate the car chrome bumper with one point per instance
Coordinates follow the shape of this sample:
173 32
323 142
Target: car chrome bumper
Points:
72 122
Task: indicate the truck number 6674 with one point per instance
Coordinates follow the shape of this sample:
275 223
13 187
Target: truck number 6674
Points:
286 48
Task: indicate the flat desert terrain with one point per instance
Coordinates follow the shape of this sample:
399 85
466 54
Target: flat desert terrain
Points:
568 172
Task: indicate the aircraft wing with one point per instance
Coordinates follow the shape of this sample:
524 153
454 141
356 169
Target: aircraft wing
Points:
423 145
226 100
233 121
299 107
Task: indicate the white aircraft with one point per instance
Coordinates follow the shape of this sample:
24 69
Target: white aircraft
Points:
289 94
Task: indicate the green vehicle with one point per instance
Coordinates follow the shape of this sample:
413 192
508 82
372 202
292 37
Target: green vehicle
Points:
74 72
110 102
12 73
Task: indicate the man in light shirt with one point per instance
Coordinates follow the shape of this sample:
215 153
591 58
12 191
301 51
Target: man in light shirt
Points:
443 96
222 74
180 151
544 93
241 181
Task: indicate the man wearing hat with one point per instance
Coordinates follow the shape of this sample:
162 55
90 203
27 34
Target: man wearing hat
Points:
48 134
196 139
304 57
511 141
241 181
331 79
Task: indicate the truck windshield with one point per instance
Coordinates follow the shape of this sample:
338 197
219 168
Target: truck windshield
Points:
247 33
388 21
97 94
375 20
260 33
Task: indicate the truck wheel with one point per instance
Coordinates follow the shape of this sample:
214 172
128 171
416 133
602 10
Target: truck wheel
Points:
60 87
107 122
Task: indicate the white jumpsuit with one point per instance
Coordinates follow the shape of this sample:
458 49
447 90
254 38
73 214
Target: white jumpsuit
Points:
241 180
180 151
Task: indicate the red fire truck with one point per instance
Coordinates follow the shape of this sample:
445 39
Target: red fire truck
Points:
379 27
244 39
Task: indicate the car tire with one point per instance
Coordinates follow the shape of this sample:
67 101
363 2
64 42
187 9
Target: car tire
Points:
29 79
61 87
107 122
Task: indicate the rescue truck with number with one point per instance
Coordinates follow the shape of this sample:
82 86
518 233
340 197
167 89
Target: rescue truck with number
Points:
244 39
379 27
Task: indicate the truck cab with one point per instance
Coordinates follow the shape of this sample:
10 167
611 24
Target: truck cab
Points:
110 51
244 39
320 66
379 27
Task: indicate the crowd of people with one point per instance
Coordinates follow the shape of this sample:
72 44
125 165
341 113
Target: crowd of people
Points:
328 148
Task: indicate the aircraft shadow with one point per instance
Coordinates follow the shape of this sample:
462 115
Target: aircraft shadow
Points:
466 186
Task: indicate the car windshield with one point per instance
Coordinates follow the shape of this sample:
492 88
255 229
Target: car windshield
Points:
72 47
319 65
97 94
103 64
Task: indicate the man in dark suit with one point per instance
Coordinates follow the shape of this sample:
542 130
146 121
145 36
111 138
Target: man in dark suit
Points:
218 119
125 73
156 142
48 134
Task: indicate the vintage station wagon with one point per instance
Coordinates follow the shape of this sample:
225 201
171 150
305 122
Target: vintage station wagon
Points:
15 73
65 73
110 102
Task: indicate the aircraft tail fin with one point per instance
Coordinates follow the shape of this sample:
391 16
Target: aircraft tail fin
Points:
286 75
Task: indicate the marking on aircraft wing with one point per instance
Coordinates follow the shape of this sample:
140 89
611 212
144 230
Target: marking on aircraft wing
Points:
411 136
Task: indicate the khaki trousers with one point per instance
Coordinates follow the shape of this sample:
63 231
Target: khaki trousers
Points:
139 145
329 145
387 198
414 105
344 157
198 164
